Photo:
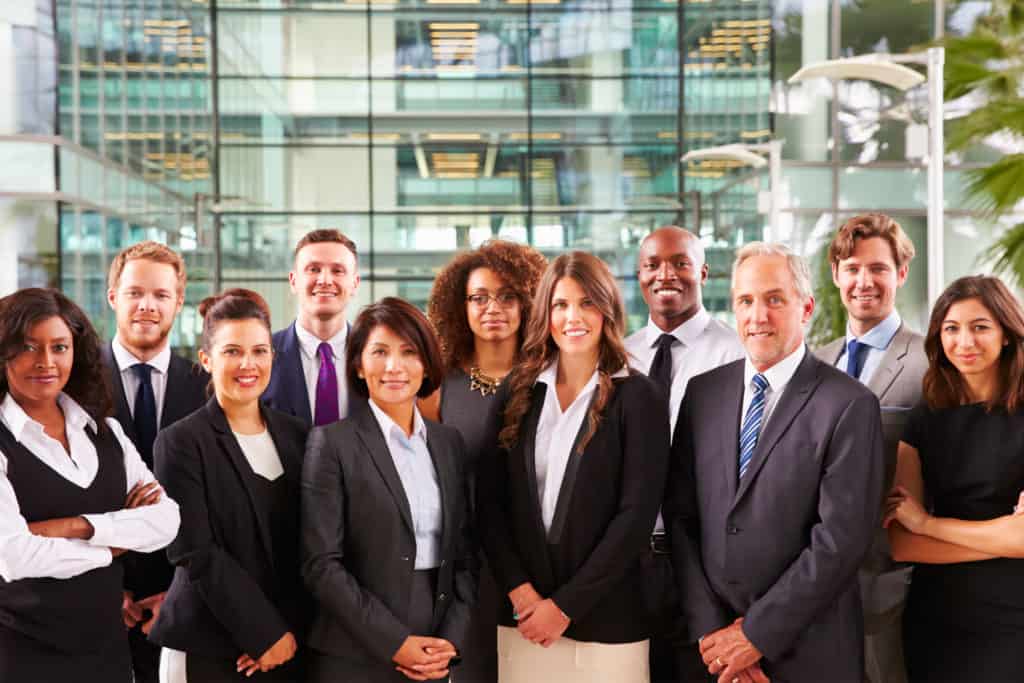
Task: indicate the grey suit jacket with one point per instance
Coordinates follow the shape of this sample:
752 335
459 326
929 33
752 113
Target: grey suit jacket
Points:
897 384
782 546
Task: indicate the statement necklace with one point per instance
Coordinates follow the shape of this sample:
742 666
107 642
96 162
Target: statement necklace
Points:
485 384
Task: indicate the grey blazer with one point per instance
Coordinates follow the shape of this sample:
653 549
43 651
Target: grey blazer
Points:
780 548
897 384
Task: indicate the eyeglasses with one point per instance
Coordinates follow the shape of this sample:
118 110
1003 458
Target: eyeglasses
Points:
503 299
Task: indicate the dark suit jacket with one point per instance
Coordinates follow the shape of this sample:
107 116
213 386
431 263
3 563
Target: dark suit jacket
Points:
897 383
233 590
287 390
359 547
781 547
589 562
150 573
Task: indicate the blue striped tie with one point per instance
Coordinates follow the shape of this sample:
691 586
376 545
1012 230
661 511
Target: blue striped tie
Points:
752 423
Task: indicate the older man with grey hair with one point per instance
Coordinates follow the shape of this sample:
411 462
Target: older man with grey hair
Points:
777 467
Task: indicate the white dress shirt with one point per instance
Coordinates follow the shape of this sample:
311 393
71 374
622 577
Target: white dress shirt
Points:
25 555
704 344
877 340
260 451
130 381
778 377
419 479
308 344
556 434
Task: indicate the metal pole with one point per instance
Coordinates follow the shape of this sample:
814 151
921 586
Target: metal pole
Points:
775 187
936 149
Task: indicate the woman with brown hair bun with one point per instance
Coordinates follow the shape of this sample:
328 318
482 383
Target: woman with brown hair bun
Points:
236 606
567 504
74 494
480 306
955 509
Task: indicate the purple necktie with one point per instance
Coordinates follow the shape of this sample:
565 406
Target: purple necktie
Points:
326 387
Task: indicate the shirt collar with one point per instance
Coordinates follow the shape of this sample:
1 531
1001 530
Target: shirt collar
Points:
778 375
389 426
881 335
17 419
687 333
309 342
549 375
126 359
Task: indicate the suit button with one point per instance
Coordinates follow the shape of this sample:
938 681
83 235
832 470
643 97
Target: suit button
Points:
444 562
405 558
442 596
731 582
734 530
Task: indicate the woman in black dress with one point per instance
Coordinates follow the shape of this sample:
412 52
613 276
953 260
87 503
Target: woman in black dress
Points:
480 306
236 606
963 455
74 494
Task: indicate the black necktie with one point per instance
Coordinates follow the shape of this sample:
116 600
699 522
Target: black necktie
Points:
661 366
144 414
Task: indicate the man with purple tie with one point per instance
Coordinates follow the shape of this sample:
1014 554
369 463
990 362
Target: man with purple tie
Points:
308 378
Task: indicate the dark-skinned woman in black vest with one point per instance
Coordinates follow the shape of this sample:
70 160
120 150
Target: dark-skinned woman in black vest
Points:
74 494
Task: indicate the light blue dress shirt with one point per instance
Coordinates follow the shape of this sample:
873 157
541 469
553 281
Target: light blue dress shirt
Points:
419 479
877 340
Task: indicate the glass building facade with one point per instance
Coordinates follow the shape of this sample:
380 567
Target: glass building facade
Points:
229 128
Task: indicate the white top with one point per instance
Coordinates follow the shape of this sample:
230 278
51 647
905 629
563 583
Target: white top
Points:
705 344
308 344
260 451
778 377
877 340
419 480
158 378
556 433
25 555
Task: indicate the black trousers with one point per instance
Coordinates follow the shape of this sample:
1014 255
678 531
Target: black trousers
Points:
26 660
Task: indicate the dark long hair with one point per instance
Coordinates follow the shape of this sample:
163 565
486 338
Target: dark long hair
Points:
87 383
593 275
944 387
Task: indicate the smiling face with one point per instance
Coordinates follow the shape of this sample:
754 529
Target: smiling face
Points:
498 318
38 373
145 302
391 367
576 324
324 279
972 340
671 273
770 313
239 360
868 281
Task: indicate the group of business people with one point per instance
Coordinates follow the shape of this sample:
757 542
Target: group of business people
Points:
508 488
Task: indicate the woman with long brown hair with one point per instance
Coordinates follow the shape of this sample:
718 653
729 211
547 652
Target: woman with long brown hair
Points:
480 306
567 504
959 474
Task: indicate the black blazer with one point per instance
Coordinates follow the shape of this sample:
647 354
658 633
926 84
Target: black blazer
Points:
287 390
589 563
233 591
149 573
359 547
780 547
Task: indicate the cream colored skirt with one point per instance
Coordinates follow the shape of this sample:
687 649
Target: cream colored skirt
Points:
569 661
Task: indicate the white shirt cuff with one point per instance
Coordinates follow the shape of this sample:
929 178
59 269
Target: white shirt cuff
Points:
102 530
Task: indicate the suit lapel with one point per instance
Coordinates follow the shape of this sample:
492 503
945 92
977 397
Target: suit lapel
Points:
229 445
442 457
373 439
528 439
293 377
891 365
794 398
731 399
122 412
175 401
572 467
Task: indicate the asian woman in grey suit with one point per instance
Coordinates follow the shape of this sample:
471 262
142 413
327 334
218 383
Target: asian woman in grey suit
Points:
386 547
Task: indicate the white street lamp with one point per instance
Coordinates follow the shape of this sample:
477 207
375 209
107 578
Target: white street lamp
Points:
751 155
889 70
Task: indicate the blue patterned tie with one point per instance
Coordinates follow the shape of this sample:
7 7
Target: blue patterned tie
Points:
752 423
855 358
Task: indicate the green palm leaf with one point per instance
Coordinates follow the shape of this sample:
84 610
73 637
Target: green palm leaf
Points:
998 188
1007 255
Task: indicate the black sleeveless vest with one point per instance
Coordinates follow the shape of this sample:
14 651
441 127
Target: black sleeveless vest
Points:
81 614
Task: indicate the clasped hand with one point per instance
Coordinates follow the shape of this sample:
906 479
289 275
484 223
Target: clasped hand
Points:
423 658
541 621
901 506
276 655
729 655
